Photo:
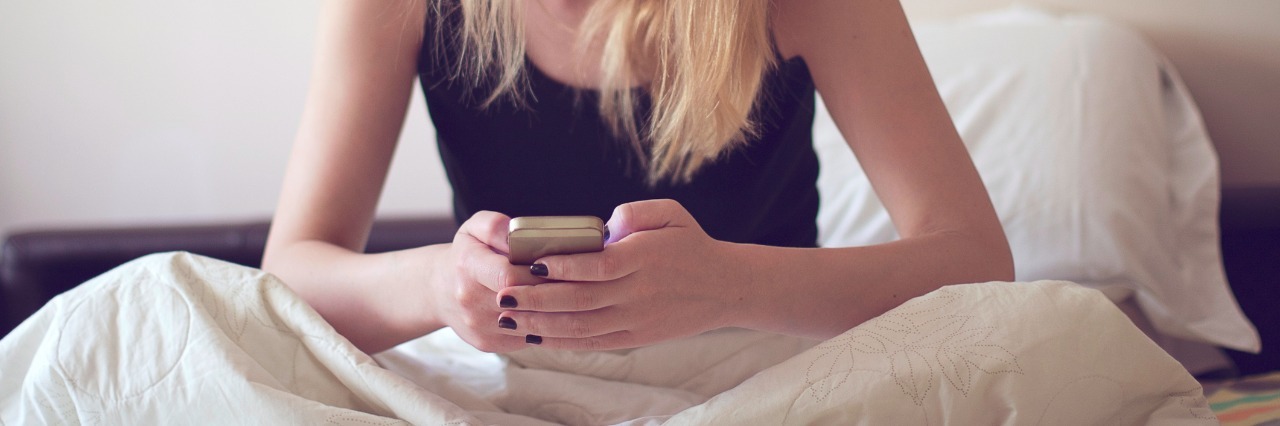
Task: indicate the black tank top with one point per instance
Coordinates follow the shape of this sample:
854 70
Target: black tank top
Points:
556 156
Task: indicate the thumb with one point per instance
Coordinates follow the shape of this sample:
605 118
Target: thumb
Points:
647 215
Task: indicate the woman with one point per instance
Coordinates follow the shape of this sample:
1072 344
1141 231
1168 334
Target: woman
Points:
684 122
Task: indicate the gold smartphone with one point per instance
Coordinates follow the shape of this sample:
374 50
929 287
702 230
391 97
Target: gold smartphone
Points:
533 237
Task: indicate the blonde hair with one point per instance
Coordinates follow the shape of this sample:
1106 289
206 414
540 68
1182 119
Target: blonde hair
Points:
703 61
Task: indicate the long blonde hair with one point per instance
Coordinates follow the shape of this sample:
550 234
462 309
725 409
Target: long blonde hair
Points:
704 61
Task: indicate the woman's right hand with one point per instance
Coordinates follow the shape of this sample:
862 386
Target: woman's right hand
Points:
469 277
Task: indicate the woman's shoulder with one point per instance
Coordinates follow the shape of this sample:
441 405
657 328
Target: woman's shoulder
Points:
373 26
799 26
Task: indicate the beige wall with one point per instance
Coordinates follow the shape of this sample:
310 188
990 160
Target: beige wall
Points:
1227 51
150 111
147 111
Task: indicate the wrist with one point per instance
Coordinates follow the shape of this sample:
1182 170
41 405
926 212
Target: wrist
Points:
742 290
423 271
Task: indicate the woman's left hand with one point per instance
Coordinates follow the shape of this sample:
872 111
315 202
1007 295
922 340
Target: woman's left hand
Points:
659 277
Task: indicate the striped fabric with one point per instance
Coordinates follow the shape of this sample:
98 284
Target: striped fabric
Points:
1251 400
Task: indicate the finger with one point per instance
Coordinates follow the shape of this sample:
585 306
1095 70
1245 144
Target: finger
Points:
646 215
562 297
613 263
475 323
561 324
495 342
617 340
487 263
489 228
493 271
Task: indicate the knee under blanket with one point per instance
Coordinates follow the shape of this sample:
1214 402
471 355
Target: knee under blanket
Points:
178 338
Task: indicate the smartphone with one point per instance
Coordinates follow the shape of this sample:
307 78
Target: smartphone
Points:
533 237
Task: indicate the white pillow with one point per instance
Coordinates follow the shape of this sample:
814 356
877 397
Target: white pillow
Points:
1095 158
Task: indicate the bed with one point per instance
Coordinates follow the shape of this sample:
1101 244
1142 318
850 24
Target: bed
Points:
1096 160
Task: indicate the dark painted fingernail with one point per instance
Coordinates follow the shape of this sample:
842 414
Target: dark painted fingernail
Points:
507 302
538 269
533 339
507 323
606 233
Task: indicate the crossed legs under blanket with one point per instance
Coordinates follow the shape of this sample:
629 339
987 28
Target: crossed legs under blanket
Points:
178 338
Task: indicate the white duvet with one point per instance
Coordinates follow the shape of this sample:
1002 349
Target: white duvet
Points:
178 338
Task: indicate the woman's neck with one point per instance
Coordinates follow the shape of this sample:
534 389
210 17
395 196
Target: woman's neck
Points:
551 42
568 13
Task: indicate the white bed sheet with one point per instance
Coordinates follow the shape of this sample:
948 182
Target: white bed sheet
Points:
178 338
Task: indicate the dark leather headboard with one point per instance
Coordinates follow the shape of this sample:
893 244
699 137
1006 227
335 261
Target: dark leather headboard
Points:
36 266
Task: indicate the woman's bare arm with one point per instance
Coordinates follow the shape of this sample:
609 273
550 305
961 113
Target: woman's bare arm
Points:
363 73
865 62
